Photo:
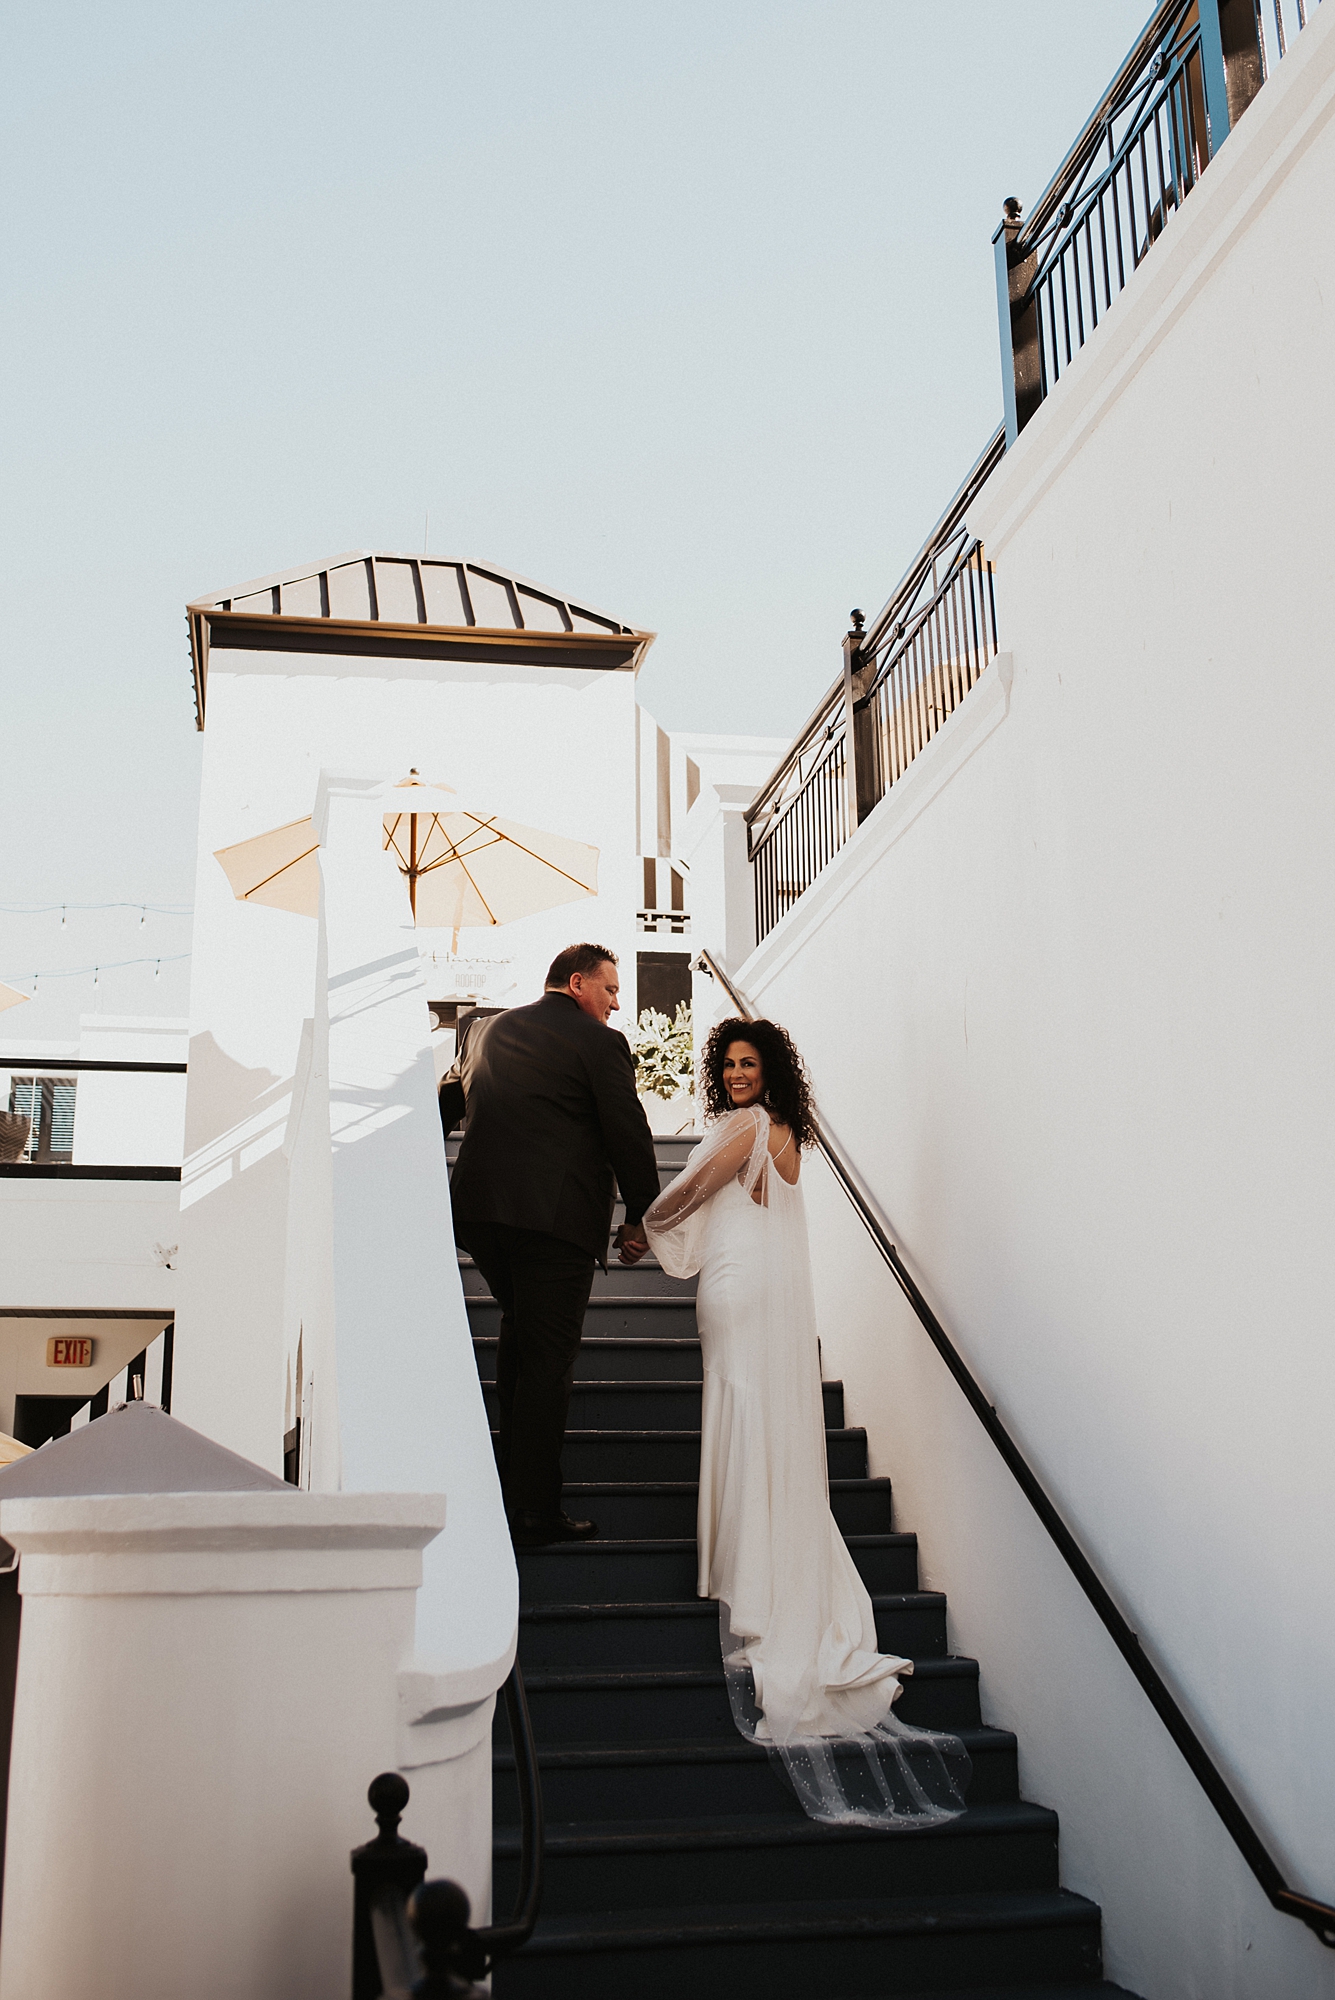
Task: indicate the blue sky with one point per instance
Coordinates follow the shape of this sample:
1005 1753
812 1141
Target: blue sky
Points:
687 309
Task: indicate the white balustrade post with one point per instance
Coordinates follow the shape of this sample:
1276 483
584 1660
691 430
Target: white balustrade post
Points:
207 1684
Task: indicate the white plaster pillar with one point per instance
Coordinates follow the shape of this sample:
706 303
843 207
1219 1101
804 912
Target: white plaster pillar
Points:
410 1410
723 917
207 1684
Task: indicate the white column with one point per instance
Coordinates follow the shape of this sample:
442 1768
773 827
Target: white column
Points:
207 1684
410 1409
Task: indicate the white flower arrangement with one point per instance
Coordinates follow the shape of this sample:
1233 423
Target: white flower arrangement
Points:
664 1052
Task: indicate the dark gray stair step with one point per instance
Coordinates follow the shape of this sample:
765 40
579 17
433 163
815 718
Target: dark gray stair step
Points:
611 1315
614 1315
649 1703
681 1779
671 1150
1099 1990
647 1572
654 1406
625 1510
646 1279
765 1858
655 1357
757 1952
571 1638
671 1455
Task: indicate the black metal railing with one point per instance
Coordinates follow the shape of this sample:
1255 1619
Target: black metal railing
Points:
63 1063
1193 71
800 822
411 1936
933 665
902 679
927 648
1319 1917
43 1091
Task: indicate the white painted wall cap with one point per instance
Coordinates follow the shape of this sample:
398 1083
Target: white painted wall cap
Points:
168 1522
221 1544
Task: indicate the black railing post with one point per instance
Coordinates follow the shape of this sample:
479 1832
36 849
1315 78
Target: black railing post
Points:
861 749
1232 63
1017 320
386 1863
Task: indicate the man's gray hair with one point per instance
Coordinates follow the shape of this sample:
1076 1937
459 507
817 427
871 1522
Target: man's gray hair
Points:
582 958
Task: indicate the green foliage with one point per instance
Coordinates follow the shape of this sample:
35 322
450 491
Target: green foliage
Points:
664 1052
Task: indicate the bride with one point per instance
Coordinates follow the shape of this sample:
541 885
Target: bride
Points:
798 1631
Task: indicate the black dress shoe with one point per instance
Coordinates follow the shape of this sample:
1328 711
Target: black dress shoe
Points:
539 1531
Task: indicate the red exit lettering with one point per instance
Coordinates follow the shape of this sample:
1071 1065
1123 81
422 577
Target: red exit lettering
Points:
65 1352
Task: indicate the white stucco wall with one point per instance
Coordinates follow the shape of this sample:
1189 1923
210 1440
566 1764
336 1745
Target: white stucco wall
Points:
134 1118
1067 1005
550 747
214 1678
87 1246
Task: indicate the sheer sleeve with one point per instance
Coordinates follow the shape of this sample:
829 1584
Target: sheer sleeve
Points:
735 1149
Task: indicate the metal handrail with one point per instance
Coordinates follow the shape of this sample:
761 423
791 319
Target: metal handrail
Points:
1127 85
501 1939
1319 1917
827 719
901 680
411 1936
60 1064
899 609
825 722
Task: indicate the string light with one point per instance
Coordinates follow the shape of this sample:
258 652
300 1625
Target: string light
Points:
144 909
82 971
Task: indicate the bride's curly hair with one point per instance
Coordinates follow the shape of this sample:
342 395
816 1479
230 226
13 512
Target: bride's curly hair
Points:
787 1092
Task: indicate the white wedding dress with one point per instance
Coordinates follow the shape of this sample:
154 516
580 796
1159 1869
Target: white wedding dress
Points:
797 1627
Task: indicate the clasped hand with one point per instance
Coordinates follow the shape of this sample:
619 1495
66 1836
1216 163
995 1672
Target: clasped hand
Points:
631 1243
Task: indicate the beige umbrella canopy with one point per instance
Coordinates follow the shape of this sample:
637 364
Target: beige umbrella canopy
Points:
465 869
9 997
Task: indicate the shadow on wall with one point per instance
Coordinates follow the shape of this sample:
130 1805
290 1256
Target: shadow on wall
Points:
234 1117
221 1092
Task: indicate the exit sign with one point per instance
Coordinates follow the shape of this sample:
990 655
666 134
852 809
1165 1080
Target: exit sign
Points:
65 1353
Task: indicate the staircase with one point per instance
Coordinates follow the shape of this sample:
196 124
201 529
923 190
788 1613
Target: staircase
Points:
676 1859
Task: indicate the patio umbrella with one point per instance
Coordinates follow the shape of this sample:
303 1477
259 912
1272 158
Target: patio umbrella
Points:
465 869
9 998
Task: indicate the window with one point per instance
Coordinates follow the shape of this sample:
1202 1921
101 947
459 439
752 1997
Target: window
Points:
49 1102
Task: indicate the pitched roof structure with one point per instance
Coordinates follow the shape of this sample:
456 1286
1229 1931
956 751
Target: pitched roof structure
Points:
376 603
134 1449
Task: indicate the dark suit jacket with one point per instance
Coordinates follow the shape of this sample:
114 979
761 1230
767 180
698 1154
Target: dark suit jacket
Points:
552 1115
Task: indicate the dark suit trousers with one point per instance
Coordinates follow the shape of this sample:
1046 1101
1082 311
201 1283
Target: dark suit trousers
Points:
542 1284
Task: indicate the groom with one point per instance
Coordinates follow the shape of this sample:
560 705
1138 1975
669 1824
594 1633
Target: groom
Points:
552 1114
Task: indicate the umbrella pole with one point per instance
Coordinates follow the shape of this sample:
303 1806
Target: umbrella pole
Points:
412 864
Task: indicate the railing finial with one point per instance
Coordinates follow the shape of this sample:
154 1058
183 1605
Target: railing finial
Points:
452 1954
386 1868
1012 209
387 1796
